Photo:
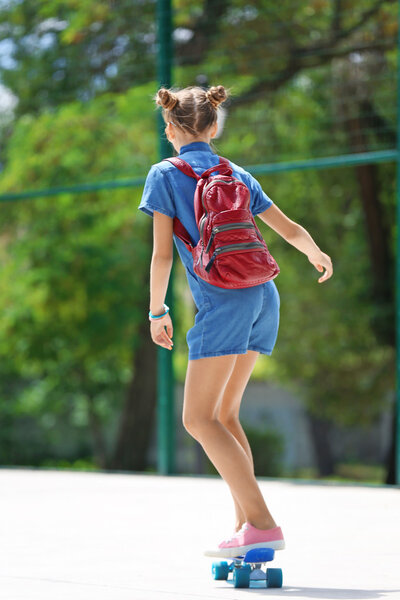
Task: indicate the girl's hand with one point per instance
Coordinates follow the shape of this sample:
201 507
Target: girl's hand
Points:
158 333
321 261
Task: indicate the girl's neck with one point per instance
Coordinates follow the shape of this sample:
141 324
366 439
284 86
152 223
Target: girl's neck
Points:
190 140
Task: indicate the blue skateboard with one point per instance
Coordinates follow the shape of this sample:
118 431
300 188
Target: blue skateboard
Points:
247 569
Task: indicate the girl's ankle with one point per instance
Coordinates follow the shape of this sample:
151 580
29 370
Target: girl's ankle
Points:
264 525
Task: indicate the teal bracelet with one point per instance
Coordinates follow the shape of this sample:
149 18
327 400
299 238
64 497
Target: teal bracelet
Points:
155 317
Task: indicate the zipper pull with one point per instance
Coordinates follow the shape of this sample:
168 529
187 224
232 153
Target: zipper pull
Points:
214 231
210 262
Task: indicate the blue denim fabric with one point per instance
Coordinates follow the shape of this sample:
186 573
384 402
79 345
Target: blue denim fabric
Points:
227 321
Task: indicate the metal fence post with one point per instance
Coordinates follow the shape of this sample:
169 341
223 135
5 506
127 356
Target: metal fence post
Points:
397 283
165 375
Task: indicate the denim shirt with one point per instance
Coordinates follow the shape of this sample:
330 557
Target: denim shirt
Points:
170 192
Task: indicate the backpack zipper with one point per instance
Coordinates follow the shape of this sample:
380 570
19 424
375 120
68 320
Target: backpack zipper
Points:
202 222
222 249
226 227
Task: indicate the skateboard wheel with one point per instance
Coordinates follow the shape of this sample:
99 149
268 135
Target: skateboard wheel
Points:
274 578
220 570
241 577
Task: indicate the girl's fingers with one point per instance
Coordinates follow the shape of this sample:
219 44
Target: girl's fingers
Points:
326 275
160 336
163 337
161 341
326 264
166 338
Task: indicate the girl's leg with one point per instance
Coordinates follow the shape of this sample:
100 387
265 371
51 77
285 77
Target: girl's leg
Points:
229 408
206 380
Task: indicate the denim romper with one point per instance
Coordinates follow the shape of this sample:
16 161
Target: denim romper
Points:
228 321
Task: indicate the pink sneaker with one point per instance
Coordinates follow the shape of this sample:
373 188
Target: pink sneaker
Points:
249 537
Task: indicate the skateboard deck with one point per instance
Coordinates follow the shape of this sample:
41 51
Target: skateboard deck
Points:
247 570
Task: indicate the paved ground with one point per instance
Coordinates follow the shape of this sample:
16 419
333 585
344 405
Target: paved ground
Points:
94 536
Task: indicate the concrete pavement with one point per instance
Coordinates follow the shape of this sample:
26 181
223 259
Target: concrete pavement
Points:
97 536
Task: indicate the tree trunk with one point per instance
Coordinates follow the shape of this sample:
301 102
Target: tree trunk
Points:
136 423
99 443
320 434
137 417
382 263
391 456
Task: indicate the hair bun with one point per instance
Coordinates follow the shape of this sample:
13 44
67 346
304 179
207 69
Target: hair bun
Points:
166 99
216 95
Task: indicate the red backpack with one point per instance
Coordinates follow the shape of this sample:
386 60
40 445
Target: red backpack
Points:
231 252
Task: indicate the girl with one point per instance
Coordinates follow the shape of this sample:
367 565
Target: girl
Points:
232 326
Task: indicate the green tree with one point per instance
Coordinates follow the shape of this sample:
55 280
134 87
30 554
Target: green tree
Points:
64 50
309 80
74 269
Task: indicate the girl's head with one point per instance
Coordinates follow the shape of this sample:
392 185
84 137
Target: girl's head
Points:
190 114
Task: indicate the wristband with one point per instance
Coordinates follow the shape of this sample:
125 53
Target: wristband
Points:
155 317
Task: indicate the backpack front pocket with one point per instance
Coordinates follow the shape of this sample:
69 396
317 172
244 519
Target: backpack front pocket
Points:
233 248
228 227
239 265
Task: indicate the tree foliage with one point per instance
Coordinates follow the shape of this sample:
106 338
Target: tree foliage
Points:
308 79
73 266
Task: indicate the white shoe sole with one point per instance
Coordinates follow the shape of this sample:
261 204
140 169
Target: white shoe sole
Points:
240 550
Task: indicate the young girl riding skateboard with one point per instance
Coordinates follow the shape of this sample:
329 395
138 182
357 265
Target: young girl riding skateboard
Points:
232 326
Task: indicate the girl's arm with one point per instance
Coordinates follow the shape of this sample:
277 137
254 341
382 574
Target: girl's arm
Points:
160 269
296 235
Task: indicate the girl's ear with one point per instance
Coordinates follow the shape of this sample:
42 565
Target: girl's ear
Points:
214 130
170 133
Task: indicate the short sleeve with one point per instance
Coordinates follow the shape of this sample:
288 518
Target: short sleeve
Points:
259 199
157 194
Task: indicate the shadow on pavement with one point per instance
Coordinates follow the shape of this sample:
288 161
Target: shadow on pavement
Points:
330 593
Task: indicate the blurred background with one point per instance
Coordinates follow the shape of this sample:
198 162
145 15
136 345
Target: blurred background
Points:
313 115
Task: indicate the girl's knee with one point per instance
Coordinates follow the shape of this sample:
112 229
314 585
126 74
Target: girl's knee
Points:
228 419
190 422
196 424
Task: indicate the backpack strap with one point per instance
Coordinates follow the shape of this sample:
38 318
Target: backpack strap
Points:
183 166
224 168
181 232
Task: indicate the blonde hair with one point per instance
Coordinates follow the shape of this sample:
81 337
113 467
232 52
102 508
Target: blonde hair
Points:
192 109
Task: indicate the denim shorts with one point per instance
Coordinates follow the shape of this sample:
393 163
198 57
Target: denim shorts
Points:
234 321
